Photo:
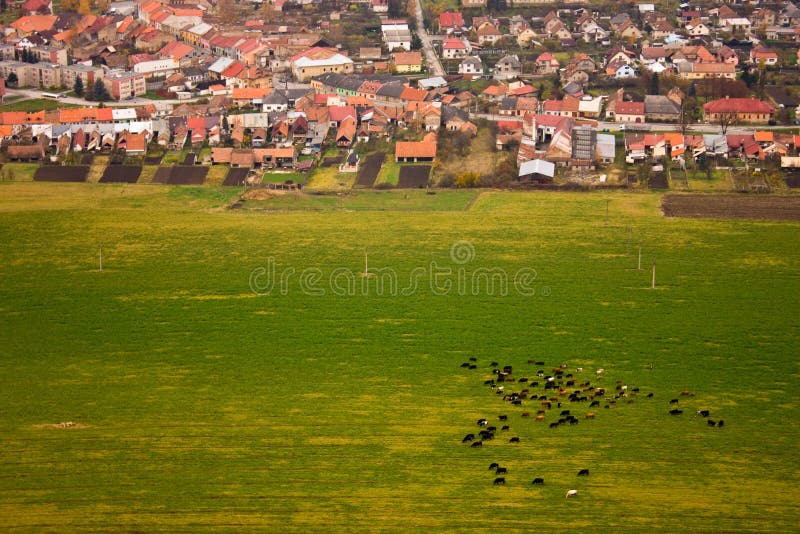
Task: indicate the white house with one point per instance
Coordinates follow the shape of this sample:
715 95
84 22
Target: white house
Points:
471 65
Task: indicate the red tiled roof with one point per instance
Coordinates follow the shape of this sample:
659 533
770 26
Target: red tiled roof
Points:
738 105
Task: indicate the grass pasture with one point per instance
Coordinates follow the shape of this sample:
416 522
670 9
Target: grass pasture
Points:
201 405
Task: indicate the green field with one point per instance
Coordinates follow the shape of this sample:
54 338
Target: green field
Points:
199 404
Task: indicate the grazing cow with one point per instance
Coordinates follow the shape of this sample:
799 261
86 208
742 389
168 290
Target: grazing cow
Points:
482 422
539 363
493 465
594 403
465 364
494 364
673 401
477 444
600 371
491 429
468 437
583 473
564 412
711 422
553 425
687 394
721 423
538 481
500 471
503 417
473 366
675 412
500 481
649 395
489 382
515 439
505 427
589 415
571 493
703 413
540 418
473 359
526 414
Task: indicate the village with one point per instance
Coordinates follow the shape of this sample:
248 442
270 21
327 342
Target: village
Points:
336 95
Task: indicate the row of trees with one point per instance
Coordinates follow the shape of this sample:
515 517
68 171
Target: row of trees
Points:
96 92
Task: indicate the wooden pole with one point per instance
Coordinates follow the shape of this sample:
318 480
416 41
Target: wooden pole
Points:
653 285
366 262
100 256
640 259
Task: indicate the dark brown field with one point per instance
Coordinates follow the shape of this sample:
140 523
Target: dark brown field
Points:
61 173
413 176
369 170
121 174
767 207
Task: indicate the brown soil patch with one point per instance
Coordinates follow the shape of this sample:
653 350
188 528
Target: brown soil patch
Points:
767 207
263 194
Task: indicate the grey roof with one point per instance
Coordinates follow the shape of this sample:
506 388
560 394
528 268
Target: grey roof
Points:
392 89
510 60
537 166
660 105
606 146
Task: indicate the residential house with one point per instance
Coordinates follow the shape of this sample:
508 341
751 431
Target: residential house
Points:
416 151
453 48
661 108
629 112
509 67
546 63
407 62
318 60
488 33
761 54
471 65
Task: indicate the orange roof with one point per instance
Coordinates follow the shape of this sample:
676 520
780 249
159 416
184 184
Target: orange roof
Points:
147 7
673 138
411 94
34 23
764 137
14 117
496 90
6 130
105 114
123 26
415 149
250 93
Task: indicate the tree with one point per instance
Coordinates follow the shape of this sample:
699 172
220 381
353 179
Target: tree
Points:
12 79
78 86
102 5
654 87
100 93
69 5
226 10
725 120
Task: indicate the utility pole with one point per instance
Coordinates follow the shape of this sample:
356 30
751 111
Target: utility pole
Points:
100 257
640 259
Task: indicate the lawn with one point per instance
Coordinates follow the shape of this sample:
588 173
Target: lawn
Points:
18 172
37 104
201 400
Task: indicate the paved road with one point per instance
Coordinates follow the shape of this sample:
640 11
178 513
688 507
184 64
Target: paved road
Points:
434 65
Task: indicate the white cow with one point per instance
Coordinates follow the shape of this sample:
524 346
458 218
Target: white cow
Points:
570 493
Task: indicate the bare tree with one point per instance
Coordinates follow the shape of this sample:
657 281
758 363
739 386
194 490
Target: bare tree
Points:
726 119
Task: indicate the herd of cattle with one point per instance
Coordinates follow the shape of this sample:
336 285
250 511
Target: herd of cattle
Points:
559 397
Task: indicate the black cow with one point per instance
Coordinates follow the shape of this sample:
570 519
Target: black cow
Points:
503 417
505 427
477 444
703 413
583 473
538 481
515 439
500 471
721 423
493 465
494 364
711 422
649 395
473 366
673 401
675 412
553 425
468 437
473 359
465 364
564 412
500 481
539 363
482 422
